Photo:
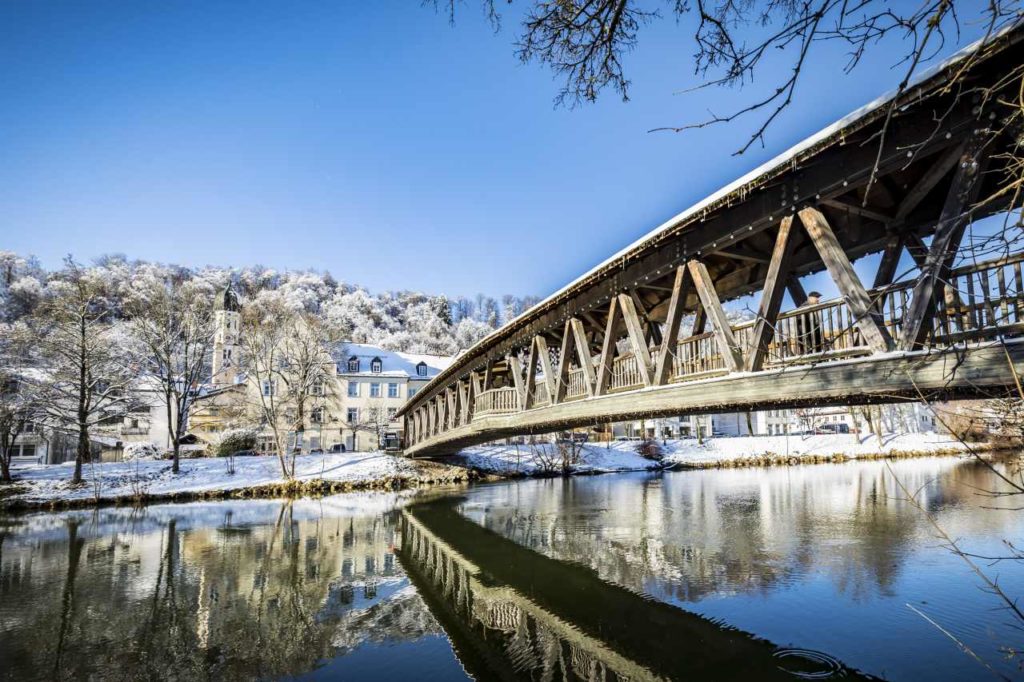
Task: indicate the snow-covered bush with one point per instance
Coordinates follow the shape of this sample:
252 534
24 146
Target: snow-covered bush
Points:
234 440
650 449
145 450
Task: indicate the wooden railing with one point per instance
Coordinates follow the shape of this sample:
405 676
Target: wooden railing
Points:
698 356
497 401
625 373
577 387
980 301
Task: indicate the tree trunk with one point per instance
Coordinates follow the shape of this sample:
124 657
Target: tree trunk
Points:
175 428
5 465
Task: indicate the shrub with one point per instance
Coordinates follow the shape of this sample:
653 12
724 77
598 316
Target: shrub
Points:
650 449
146 450
235 440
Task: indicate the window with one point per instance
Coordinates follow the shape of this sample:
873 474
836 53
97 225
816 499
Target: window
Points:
421 369
317 388
353 415
268 387
353 364
376 365
375 390
317 415
392 390
413 391
391 413
29 427
353 389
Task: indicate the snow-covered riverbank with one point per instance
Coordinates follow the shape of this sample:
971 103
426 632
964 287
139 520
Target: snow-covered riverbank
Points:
41 486
526 460
151 480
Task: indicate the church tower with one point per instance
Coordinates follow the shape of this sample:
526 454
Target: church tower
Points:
227 317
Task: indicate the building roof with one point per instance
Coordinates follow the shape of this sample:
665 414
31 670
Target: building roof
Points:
393 363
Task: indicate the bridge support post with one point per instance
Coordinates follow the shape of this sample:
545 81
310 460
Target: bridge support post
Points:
771 296
673 319
713 308
949 232
611 335
866 317
637 339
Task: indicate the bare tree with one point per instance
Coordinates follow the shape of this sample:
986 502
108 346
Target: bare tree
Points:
373 419
86 361
286 358
17 408
174 324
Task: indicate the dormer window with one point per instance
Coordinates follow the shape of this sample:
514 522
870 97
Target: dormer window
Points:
421 369
353 364
376 365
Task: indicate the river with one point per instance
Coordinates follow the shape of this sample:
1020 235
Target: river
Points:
777 573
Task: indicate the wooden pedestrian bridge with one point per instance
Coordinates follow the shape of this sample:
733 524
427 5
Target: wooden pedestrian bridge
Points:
646 333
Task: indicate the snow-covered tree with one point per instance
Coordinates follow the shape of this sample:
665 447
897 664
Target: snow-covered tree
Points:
174 325
87 359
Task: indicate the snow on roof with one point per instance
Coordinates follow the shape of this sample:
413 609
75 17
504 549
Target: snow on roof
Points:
864 114
393 363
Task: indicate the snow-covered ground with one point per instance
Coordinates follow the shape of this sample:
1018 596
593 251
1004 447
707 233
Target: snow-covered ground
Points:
622 455
148 479
153 478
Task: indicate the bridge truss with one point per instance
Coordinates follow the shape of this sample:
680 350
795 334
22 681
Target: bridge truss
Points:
645 334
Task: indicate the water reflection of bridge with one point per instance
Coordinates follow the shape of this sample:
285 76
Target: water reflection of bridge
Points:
511 613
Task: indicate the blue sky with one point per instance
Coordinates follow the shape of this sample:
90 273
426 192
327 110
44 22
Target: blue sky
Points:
369 139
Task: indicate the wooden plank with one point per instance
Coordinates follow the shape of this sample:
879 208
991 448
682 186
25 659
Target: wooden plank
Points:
464 388
890 260
583 354
709 300
652 332
637 339
771 296
949 231
868 320
663 368
611 334
700 319
489 374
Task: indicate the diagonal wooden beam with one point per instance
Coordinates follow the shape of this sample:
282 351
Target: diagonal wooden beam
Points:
544 356
583 354
531 375
663 367
611 335
515 368
917 249
858 210
637 339
931 177
890 260
700 319
489 374
866 315
949 231
796 290
464 389
564 363
709 300
771 296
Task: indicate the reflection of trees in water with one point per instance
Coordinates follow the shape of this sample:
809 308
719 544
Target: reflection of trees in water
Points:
229 602
691 534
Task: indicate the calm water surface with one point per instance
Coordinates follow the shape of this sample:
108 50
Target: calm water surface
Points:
722 574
